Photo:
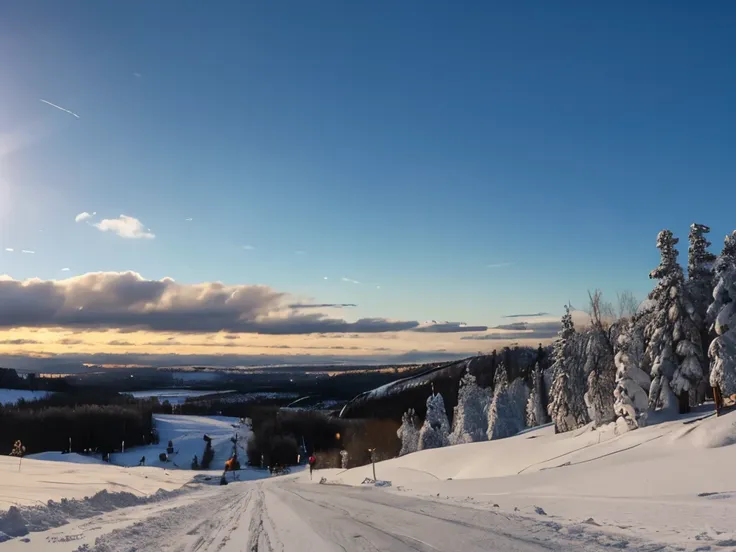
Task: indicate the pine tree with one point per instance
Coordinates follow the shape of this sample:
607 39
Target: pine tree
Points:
566 406
700 283
599 366
408 433
536 412
506 413
435 432
632 383
722 350
674 348
470 419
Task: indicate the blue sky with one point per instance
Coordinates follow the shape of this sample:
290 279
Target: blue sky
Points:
403 144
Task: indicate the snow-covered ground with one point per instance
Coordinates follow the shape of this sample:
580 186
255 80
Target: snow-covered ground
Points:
12 396
667 487
672 482
176 396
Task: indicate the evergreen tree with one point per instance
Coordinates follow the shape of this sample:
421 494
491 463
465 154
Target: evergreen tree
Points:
599 366
470 418
566 406
498 422
435 432
408 433
674 348
536 411
700 282
632 383
722 350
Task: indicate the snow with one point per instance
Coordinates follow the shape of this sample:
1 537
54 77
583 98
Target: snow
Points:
621 479
12 396
586 489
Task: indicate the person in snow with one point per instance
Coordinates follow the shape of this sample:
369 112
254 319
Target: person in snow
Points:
312 462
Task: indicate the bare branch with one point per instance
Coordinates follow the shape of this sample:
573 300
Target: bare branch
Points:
626 305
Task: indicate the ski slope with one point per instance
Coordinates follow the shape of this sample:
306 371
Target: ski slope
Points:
666 487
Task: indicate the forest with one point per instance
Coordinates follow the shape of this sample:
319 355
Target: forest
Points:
673 351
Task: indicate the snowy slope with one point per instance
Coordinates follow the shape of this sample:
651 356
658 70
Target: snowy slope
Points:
186 433
623 481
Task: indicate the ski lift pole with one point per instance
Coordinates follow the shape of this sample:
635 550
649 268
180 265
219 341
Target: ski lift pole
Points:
373 462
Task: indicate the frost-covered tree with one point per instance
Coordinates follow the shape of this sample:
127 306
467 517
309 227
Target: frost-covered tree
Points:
470 418
700 282
601 372
722 350
632 383
408 433
536 413
566 403
674 347
506 414
435 432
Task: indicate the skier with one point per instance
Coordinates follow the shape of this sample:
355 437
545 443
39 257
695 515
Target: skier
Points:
312 462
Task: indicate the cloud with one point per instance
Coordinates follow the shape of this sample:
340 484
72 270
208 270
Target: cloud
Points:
65 269
60 108
350 280
119 343
69 341
137 75
526 315
322 305
128 302
231 336
538 330
84 216
189 219
515 326
325 278
9 249
28 251
448 327
125 227
19 342
248 247
499 265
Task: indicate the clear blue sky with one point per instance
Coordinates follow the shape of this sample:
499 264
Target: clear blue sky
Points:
403 144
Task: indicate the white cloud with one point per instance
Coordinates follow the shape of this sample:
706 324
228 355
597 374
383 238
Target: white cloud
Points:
350 280
125 227
190 219
65 270
378 287
61 108
27 251
499 265
249 247
325 278
9 249
84 216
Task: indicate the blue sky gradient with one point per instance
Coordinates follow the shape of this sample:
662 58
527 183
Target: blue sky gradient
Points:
403 144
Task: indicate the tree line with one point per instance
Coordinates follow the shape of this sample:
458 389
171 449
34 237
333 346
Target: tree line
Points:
672 352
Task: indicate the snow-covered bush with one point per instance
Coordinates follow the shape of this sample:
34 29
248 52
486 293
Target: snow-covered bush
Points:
470 418
435 432
408 433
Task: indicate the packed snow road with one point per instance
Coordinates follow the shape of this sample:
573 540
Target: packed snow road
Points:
285 515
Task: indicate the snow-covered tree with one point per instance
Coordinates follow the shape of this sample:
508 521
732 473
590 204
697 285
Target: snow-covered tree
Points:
632 383
700 270
507 411
435 432
674 348
599 366
722 350
566 403
536 413
408 433
470 418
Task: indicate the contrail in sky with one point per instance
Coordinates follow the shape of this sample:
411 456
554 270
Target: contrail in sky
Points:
61 108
